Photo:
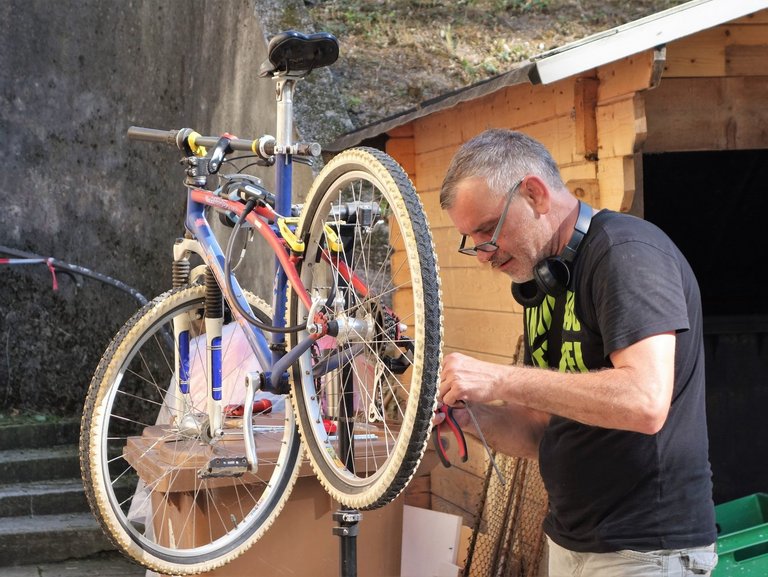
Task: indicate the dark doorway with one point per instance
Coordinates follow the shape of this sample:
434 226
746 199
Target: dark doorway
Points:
714 205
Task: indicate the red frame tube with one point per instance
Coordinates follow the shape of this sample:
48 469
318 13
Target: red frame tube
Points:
275 242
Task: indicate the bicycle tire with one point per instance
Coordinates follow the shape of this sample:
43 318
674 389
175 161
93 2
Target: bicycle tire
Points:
381 231
142 481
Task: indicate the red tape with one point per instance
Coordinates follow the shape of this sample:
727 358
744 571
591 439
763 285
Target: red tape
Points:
49 262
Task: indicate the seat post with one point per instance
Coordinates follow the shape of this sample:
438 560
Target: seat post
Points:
284 94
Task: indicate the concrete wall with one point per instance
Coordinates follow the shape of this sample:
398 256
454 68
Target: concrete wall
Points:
74 75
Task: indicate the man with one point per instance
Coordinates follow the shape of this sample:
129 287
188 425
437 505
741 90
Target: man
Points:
613 406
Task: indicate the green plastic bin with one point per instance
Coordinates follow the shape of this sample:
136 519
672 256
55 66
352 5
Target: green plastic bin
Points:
742 542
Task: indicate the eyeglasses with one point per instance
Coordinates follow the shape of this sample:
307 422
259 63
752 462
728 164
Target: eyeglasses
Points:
490 246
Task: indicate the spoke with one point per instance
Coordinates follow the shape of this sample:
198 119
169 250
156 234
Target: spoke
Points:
127 420
137 397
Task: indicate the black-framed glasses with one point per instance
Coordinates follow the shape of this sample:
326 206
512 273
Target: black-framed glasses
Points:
490 246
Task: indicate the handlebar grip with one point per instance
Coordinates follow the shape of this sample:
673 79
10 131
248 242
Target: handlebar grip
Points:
153 135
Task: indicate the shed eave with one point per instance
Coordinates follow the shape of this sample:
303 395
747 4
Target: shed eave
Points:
638 36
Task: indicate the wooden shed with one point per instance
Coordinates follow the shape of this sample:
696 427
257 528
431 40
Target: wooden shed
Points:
665 117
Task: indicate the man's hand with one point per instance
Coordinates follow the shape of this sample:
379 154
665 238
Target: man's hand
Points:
467 379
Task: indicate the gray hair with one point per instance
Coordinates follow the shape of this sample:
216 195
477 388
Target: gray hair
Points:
501 157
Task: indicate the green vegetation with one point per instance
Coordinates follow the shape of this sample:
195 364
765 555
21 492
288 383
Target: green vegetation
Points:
16 417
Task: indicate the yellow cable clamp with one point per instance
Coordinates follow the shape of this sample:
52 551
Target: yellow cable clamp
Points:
332 239
287 234
192 141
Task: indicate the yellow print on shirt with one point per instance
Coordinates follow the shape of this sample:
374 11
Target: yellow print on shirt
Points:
539 322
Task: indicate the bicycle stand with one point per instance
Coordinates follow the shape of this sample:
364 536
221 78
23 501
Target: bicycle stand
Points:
347 531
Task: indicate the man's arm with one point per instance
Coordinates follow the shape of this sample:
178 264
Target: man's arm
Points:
634 395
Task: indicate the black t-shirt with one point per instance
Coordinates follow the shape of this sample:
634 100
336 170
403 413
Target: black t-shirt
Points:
610 489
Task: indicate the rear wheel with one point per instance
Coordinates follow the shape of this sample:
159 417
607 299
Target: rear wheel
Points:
146 450
365 397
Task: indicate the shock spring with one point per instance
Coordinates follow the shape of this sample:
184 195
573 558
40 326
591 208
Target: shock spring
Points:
214 304
180 272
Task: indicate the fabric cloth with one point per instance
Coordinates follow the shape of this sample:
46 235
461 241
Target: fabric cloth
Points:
612 490
237 361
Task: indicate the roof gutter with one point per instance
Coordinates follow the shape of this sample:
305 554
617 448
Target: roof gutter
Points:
634 37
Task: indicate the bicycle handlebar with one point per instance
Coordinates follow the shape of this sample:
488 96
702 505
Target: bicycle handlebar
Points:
264 146
177 138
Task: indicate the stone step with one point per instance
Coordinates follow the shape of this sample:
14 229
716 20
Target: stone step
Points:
103 564
51 497
35 435
44 515
49 538
40 464
43 498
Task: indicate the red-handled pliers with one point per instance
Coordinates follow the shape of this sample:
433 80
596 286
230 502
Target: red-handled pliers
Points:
450 422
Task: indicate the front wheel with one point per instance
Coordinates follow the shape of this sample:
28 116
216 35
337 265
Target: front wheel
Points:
365 397
168 492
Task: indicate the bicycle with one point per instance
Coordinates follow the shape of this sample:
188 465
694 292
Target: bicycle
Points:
187 467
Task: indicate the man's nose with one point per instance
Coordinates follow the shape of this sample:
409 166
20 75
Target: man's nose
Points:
483 256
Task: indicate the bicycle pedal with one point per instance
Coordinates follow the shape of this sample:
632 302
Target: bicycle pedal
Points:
224 467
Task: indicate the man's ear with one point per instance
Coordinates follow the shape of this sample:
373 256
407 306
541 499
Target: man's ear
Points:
537 194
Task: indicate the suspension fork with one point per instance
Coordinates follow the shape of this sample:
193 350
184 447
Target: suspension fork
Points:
214 323
182 328
181 335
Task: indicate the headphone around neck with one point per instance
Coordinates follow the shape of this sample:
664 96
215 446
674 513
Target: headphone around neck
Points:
552 275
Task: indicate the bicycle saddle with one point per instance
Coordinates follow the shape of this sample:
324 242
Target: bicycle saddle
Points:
296 53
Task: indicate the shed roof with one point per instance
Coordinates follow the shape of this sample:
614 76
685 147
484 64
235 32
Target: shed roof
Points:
576 57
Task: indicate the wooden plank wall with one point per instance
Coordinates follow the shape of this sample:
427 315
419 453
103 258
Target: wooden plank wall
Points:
714 90
711 95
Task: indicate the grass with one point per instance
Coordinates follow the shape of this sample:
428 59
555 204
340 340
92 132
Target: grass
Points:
16 417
